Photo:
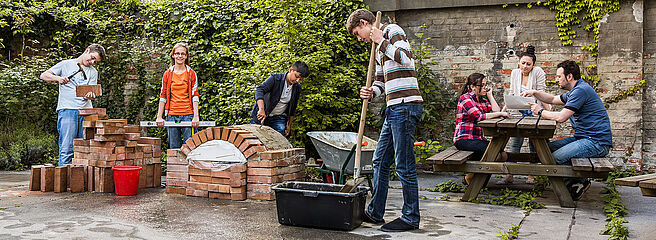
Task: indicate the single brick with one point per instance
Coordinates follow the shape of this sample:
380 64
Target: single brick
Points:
221 174
264 179
238 196
132 129
209 133
262 188
233 135
248 143
197 193
142 177
203 136
35 178
262 196
47 178
61 178
241 137
216 131
177 168
253 150
150 140
196 139
222 181
130 143
92 111
90 179
150 172
178 175
111 131
176 190
106 138
133 136
238 168
200 179
261 172
190 144
77 177
81 142
217 195
157 177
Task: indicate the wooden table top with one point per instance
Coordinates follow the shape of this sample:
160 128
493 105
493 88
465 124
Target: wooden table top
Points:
520 123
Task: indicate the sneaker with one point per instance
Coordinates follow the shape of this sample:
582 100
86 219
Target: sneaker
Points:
366 218
397 225
577 189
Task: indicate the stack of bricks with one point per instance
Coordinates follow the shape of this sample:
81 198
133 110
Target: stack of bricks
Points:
217 180
177 172
273 167
106 143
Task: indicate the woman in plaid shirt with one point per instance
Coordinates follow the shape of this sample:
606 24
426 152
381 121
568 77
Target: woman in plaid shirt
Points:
472 108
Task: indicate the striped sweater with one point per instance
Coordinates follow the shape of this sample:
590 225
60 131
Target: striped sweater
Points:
395 68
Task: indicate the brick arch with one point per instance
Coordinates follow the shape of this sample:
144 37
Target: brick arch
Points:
271 159
243 140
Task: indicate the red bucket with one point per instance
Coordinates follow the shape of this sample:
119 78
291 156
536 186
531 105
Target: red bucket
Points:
126 180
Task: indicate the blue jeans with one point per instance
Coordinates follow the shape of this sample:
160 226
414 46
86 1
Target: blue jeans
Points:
175 132
566 149
69 126
278 123
517 142
475 145
395 145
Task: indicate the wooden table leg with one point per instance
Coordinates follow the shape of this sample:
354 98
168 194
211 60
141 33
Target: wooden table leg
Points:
545 156
493 149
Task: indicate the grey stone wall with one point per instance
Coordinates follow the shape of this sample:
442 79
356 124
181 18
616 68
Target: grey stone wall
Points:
649 98
487 39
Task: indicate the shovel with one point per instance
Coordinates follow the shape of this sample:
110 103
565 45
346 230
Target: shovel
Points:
352 184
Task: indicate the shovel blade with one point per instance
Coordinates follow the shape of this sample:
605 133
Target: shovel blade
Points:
351 185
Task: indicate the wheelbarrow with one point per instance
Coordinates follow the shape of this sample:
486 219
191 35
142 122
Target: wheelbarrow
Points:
337 150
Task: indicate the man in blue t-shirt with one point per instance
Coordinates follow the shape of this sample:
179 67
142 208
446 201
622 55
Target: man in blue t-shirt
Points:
69 74
588 116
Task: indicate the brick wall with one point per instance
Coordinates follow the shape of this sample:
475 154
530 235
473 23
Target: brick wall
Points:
487 39
649 99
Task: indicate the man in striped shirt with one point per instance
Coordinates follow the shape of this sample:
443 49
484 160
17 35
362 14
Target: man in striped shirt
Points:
396 77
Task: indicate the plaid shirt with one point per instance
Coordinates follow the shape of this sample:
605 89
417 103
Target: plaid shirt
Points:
471 109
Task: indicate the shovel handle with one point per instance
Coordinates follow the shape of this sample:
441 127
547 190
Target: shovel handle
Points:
365 102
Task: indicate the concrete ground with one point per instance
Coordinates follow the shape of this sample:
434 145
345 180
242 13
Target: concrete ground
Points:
153 214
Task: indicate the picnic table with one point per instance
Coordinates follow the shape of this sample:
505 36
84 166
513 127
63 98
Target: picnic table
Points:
538 131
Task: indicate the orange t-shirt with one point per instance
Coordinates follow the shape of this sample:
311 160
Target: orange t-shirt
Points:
180 100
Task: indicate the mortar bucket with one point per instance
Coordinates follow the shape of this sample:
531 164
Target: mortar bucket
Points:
126 180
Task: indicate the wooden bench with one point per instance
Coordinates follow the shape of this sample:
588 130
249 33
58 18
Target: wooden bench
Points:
647 183
454 160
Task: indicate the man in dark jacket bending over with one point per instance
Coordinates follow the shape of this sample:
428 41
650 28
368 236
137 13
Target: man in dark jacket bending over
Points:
277 97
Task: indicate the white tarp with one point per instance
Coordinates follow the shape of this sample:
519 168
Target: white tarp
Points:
217 151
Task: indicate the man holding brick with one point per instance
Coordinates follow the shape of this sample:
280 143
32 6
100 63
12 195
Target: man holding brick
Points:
276 98
67 74
396 78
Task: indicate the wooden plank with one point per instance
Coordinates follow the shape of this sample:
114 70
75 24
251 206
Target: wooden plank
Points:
651 184
518 169
519 132
601 165
581 164
546 124
439 157
459 157
522 157
557 184
527 123
489 122
634 181
509 122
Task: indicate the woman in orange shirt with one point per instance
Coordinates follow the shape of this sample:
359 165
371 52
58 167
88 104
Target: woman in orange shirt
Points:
179 96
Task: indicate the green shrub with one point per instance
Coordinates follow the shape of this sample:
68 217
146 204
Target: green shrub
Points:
22 144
